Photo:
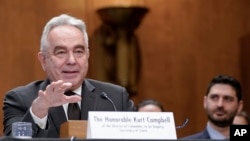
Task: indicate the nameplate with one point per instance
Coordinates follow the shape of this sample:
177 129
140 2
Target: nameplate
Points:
131 125
239 132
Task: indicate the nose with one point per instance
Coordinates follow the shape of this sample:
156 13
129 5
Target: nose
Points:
71 58
220 102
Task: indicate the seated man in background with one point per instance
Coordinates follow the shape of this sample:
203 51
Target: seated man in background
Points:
223 100
63 55
242 118
150 105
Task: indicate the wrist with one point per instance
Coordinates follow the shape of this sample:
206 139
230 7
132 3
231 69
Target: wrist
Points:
39 108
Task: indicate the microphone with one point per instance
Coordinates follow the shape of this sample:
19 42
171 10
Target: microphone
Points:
183 124
105 95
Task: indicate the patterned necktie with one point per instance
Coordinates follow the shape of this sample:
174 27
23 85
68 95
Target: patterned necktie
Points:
74 112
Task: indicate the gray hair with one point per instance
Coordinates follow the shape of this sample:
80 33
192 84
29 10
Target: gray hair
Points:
62 19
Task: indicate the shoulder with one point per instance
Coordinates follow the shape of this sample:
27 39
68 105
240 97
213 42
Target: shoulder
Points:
200 135
28 88
24 95
97 86
101 84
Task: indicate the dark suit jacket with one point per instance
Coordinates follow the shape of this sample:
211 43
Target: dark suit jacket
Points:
201 135
18 101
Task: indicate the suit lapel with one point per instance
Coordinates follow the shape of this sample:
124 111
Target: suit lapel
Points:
88 99
44 84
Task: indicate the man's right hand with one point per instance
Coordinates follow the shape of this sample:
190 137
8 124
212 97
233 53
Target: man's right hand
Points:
52 96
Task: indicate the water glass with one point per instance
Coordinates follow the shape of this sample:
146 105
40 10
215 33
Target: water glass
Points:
22 130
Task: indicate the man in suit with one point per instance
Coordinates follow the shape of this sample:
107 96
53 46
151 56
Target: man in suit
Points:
223 100
63 55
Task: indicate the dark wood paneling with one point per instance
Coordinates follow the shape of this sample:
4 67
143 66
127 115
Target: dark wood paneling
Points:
184 44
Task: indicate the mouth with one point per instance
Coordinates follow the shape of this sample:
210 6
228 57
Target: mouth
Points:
220 113
70 74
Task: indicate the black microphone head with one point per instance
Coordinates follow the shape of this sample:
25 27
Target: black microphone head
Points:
104 95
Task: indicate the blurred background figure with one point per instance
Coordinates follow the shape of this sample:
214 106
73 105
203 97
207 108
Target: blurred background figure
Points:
222 102
242 118
150 105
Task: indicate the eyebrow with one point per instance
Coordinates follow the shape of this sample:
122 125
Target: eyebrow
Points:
63 47
223 96
79 46
59 47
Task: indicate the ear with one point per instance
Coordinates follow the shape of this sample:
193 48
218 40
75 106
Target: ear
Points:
204 102
41 58
240 107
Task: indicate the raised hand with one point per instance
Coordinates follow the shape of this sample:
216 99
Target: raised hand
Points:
52 96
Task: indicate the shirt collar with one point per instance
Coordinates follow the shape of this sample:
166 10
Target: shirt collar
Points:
78 91
214 134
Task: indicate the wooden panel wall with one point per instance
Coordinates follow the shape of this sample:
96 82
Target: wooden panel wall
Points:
184 43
